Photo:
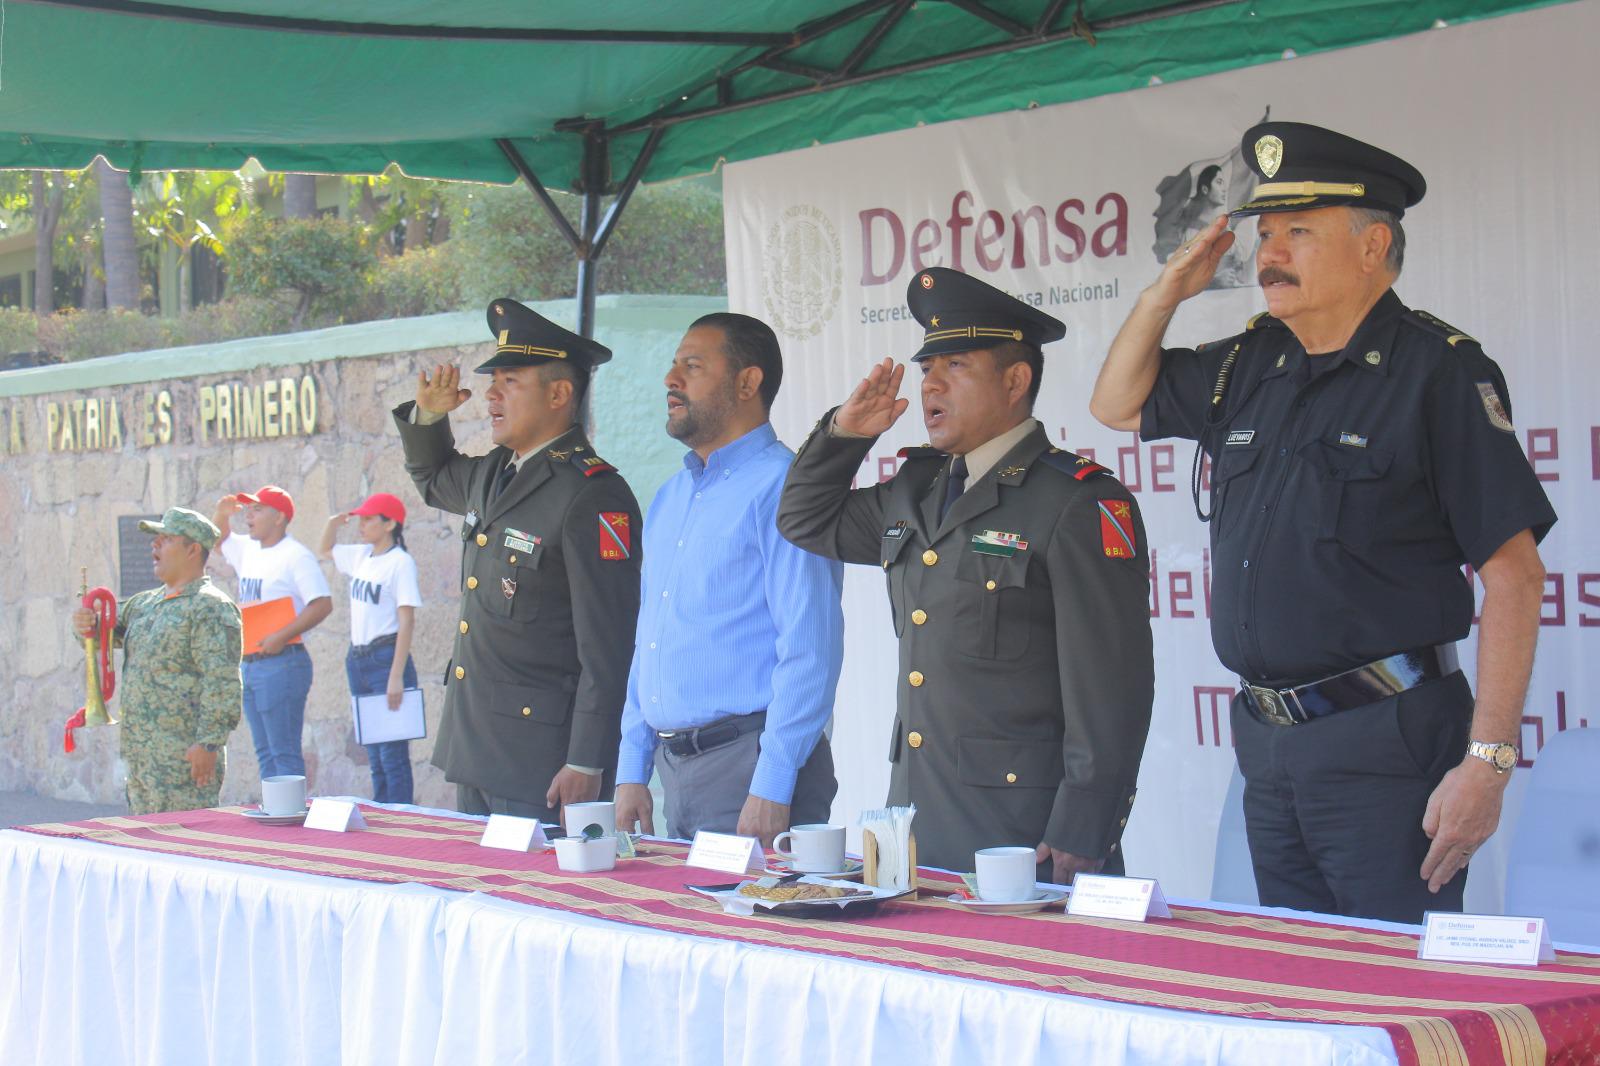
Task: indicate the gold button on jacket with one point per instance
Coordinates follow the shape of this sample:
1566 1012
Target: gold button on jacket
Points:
472 582
482 540
461 672
464 625
915 677
930 557
914 738
918 617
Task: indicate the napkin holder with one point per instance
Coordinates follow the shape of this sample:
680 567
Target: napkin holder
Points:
869 860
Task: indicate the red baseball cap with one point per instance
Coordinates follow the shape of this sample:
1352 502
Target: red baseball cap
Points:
384 505
270 496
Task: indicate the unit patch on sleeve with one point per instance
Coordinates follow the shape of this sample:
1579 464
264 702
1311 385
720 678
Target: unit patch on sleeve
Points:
1116 529
1493 408
614 539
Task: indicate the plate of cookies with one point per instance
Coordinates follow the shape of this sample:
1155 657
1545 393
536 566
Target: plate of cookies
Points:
809 896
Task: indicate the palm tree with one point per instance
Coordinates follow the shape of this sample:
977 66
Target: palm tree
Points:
121 254
49 195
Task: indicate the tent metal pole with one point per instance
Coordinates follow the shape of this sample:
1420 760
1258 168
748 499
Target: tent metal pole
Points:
625 193
591 185
525 172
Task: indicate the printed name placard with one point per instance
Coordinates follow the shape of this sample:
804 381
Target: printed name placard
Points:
335 816
1131 899
725 852
1502 938
511 833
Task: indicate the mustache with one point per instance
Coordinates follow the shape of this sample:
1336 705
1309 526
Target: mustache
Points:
673 394
1275 275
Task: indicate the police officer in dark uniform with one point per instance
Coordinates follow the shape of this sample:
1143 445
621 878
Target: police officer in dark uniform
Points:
1362 453
549 571
1019 578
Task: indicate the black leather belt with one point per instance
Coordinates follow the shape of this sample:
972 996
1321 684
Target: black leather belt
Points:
1353 688
383 641
711 736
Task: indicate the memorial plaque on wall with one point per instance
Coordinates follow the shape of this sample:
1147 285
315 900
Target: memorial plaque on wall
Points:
136 569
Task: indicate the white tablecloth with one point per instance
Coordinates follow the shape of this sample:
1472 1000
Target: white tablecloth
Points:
110 955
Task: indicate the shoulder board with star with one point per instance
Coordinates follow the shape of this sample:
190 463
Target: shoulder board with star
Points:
1438 327
582 460
921 451
1077 467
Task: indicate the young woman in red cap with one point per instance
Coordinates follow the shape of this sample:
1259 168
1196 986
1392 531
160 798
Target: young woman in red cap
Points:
383 603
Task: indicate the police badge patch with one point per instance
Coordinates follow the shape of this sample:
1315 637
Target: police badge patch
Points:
1493 408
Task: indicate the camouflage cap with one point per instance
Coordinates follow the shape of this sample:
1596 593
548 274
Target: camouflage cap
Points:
182 522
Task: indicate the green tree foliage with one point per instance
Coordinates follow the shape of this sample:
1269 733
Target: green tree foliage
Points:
326 263
669 240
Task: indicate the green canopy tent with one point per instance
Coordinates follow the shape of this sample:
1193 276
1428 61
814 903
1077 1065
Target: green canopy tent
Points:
597 97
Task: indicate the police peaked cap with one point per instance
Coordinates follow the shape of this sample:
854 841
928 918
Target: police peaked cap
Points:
523 337
962 314
1306 167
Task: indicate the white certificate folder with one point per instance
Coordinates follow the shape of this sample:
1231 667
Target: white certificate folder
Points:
376 723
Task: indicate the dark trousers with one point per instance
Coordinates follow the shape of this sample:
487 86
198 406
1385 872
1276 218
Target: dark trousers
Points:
390 762
708 791
473 800
1333 808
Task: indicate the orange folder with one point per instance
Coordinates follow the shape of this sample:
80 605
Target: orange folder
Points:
265 617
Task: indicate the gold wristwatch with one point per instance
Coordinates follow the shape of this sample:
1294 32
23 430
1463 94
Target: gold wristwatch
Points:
1500 756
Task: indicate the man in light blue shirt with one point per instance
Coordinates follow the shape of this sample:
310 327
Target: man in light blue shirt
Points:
741 635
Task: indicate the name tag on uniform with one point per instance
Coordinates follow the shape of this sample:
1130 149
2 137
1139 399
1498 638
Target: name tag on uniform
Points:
895 531
525 542
1241 436
1355 440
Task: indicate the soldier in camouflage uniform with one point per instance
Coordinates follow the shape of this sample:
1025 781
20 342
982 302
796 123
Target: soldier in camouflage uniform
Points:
181 693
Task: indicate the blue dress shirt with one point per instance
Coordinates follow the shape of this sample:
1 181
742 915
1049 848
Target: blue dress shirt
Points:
733 619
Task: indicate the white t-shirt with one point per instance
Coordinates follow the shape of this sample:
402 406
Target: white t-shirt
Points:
286 569
379 586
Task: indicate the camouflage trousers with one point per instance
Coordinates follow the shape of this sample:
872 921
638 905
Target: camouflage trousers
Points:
160 780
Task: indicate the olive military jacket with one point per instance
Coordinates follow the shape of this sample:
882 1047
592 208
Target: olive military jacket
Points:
1026 676
549 602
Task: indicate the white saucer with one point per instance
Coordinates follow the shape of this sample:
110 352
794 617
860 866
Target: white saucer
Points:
1042 898
259 815
853 868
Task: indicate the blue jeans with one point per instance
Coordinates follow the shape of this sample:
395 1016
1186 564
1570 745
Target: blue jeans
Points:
275 691
390 762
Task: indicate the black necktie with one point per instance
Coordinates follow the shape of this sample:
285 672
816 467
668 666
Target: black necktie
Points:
504 479
955 486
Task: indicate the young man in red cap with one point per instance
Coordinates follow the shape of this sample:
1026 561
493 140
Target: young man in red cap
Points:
384 597
1363 452
272 565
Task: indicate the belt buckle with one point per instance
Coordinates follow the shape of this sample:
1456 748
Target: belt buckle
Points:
1272 706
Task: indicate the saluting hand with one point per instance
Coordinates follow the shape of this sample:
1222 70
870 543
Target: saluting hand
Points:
875 405
1190 269
442 392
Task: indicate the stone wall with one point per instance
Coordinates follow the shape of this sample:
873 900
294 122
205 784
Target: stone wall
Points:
59 507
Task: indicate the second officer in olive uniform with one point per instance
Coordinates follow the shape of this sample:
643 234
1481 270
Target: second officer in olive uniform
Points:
1018 575
549 571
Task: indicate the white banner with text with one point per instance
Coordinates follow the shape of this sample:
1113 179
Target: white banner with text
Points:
1075 207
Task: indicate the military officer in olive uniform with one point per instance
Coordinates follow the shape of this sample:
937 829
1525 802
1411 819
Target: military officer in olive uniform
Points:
549 572
181 693
1018 577
1363 452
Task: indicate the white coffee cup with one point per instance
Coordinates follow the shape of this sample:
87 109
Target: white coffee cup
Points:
284 794
817 849
576 817
1005 875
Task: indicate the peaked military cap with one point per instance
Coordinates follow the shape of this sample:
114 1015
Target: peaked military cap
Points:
523 337
1306 167
962 314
